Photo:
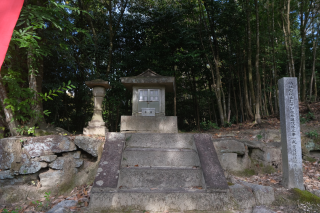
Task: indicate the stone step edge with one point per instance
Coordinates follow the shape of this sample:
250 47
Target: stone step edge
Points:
159 168
164 191
159 149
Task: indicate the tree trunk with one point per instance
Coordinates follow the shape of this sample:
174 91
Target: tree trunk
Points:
196 102
7 112
229 100
249 54
215 52
235 103
246 95
315 42
264 89
274 73
258 84
240 95
302 72
35 84
287 33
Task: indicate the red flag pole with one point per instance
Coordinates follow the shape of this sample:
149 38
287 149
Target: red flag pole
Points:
9 14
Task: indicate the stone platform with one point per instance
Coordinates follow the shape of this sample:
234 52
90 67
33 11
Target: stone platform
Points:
159 172
153 124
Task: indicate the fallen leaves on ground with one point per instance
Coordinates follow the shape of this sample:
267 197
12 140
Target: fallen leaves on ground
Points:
311 177
81 194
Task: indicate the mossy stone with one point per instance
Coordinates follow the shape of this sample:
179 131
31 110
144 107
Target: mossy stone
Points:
305 196
40 132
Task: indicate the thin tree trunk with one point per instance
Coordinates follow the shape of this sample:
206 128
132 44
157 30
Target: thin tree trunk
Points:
289 39
117 118
113 29
240 95
215 53
229 100
249 54
264 89
274 73
257 115
287 34
302 72
213 109
235 102
315 42
11 122
196 102
35 84
246 95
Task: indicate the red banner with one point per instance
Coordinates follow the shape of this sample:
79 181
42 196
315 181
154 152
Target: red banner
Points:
9 14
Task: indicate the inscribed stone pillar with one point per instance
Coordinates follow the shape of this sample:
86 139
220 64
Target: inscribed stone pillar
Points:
292 174
97 125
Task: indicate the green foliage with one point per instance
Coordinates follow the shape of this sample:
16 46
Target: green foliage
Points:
17 210
19 99
227 124
308 117
268 169
246 172
312 134
259 137
310 159
72 42
47 197
128 138
208 125
39 204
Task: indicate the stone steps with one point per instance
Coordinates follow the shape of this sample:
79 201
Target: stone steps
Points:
159 157
159 172
164 178
160 140
158 201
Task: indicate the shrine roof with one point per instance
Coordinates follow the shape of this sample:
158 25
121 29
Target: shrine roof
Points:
149 78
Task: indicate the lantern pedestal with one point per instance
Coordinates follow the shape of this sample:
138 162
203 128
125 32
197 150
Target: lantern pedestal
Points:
97 126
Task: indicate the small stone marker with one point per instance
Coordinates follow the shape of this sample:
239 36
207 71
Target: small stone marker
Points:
292 176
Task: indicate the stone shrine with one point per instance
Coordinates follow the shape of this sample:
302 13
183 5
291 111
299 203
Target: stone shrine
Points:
292 173
148 104
97 125
149 166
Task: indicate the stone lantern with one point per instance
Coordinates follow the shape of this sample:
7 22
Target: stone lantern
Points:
148 104
97 125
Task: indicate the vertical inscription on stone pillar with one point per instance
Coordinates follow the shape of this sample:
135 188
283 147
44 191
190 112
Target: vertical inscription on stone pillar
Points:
292 176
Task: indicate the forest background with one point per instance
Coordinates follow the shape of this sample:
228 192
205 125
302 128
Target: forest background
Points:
226 57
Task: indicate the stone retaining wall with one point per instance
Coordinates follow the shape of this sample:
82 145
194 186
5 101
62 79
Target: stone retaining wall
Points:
51 163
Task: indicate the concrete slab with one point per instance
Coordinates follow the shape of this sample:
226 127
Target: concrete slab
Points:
146 178
160 140
157 124
171 202
149 157
212 171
